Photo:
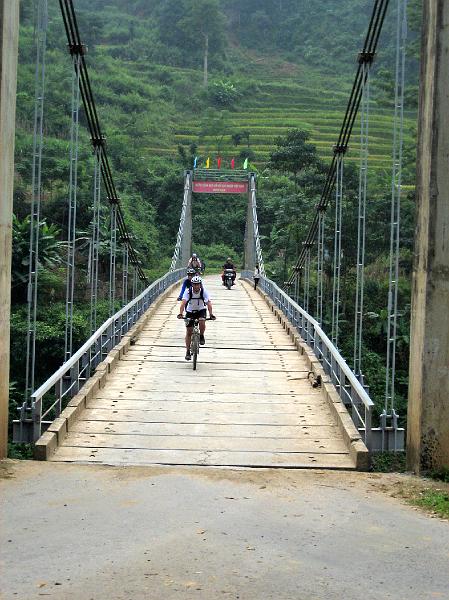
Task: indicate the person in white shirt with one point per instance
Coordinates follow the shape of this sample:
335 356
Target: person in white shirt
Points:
195 300
256 276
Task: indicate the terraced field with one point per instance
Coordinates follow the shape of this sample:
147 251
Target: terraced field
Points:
281 105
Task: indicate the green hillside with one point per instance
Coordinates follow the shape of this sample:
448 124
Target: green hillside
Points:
273 93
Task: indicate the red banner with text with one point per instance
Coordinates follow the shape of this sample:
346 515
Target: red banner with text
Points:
220 187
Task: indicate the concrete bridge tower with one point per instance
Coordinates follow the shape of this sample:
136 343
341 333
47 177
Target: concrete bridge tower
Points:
428 405
9 32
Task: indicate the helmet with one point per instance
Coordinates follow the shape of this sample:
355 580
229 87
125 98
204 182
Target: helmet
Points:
194 255
191 271
229 259
196 279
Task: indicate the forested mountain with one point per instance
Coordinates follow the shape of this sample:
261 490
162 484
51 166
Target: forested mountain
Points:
274 67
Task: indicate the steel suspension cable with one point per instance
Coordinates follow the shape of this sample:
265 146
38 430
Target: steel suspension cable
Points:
337 250
256 226
112 257
320 266
93 123
125 266
398 136
95 241
41 25
135 287
180 235
361 222
72 202
365 56
296 288
307 280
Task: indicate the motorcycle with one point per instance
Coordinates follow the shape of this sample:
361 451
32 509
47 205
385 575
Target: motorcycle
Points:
228 278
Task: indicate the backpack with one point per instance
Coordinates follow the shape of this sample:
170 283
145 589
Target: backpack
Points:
201 294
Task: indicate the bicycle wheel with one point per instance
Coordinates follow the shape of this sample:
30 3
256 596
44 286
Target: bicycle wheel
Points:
194 350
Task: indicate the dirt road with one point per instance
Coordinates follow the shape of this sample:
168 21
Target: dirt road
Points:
84 532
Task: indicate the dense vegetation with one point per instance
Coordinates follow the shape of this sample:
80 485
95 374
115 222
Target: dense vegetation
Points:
278 71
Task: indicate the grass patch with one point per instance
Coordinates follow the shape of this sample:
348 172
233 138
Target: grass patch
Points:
434 500
388 462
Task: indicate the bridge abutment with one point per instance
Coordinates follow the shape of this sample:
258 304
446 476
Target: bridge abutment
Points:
428 406
9 33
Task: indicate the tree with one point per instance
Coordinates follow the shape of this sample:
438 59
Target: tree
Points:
205 20
49 252
293 153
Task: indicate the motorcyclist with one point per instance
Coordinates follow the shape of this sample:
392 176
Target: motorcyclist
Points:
229 265
187 282
195 263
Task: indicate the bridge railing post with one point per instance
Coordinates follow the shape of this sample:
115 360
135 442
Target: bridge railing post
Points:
75 380
37 418
104 345
368 428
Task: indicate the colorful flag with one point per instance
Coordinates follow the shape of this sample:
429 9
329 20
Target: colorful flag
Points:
218 162
207 163
195 161
232 163
245 164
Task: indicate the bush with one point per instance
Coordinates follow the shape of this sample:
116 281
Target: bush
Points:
223 94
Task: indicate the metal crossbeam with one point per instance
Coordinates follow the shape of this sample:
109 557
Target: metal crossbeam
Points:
220 175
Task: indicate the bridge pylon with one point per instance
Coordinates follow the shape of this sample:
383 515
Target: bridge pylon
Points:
9 34
183 248
428 404
250 245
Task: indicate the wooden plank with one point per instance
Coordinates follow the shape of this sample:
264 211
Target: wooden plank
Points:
127 456
168 395
230 377
206 429
183 366
215 403
203 384
206 359
212 416
221 444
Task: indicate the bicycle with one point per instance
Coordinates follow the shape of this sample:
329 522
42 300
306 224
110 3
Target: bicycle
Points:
195 339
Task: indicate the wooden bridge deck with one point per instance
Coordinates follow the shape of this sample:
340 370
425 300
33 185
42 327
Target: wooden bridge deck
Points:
249 404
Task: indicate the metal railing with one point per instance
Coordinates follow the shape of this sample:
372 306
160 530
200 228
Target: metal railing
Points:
349 388
48 401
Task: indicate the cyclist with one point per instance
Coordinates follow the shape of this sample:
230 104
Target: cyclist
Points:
195 300
195 263
229 265
187 282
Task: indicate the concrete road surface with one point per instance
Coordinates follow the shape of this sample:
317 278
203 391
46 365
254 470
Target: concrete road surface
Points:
84 532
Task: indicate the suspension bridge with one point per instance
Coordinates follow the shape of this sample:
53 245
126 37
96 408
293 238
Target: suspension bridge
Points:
273 388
